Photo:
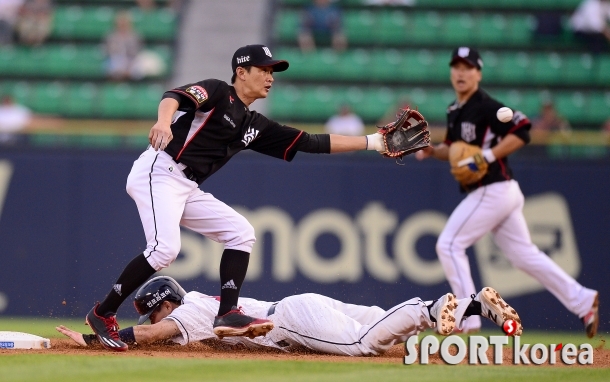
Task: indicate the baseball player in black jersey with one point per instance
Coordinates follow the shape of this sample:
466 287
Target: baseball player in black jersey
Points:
495 202
200 127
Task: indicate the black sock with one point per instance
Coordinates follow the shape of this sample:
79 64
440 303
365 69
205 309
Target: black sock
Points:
433 319
474 309
134 275
233 268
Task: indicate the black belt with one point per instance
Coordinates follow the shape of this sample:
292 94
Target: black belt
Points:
190 175
271 309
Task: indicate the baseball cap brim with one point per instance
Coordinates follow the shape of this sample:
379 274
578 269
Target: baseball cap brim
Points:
277 65
464 60
145 317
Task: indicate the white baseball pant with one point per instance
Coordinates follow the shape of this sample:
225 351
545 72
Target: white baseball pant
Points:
498 208
323 324
166 200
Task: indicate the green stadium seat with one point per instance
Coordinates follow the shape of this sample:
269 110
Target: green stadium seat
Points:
354 65
47 98
602 72
386 65
75 22
459 29
416 65
491 66
371 103
81 101
21 91
287 26
361 26
155 25
391 27
82 22
491 30
578 69
146 104
8 58
116 100
514 67
572 105
320 102
598 107
283 101
69 61
425 28
520 28
431 103
548 69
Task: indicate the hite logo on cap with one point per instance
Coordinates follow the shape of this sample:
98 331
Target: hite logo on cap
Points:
463 52
267 51
242 59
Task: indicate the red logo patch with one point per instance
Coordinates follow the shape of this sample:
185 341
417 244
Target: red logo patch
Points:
198 93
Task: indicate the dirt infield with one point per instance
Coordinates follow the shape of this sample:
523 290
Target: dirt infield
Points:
216 350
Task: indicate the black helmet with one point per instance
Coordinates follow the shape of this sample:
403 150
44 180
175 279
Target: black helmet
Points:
154 292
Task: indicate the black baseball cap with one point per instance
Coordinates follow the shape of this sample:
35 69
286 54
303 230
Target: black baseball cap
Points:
468 55
256 55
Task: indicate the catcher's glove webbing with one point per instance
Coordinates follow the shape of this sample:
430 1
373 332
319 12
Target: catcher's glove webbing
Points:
408 134
468 164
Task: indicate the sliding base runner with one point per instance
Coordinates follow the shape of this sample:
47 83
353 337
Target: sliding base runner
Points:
18 340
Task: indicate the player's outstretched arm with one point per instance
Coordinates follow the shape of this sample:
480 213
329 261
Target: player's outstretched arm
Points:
162 330
440 152
344 143
76 336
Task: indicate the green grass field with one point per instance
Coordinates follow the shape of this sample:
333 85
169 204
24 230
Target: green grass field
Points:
117 367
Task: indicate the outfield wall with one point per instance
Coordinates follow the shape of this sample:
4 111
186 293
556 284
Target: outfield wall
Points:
354 227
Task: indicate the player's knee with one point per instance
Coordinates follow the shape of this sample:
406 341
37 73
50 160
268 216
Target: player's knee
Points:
243 238
442 247
130 186
164 256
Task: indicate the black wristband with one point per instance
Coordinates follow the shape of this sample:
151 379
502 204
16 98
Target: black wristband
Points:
90 339
127 335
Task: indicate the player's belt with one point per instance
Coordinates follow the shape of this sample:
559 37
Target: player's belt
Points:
271 309
187 171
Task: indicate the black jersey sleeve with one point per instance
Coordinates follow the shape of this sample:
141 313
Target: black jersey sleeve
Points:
283 142
199 95
519 125
449 135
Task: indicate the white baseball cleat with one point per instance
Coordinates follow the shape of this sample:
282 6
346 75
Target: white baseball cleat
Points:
443 312
591 319
496 309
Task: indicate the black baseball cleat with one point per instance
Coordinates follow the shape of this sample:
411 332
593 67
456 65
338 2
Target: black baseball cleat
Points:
235 323
106 330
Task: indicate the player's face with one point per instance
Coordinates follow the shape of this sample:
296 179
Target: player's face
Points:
259 81
465 78
161 312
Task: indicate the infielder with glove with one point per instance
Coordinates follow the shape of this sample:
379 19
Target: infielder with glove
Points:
477 145
200 127
311 320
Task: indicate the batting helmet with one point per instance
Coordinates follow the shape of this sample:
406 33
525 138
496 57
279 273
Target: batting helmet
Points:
154 292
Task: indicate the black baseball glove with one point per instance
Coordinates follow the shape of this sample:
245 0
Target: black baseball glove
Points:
408 134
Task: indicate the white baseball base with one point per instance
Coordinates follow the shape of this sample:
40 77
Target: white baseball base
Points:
18 340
